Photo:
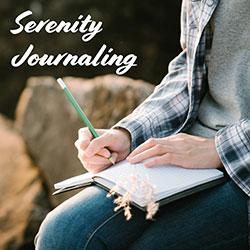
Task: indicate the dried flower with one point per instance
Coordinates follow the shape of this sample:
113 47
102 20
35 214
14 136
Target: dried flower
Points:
127 212
152 208
137 185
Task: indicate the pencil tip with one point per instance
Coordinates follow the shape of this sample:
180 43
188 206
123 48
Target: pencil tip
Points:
111 160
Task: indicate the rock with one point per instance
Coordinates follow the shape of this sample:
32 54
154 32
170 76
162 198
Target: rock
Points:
23 200
49 124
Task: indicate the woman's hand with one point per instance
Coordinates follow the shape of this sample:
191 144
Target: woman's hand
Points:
92 152
184 150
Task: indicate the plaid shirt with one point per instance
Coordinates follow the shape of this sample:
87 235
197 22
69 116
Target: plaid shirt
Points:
173 105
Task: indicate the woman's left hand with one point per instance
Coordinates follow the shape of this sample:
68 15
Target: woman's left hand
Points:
182 149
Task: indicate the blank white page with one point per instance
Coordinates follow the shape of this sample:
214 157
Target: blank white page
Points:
167 180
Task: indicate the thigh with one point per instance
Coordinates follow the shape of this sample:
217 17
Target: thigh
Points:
88 221
69 224
213 219
201 221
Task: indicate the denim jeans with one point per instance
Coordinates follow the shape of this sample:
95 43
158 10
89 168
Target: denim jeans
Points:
213 219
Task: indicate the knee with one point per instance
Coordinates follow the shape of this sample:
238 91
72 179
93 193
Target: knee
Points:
50 233
70 224
59 230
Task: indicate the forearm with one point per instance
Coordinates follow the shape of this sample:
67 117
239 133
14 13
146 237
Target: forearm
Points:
165 109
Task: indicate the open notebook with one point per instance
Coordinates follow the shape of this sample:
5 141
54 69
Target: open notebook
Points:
170 182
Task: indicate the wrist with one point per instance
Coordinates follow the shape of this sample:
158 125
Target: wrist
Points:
125 136
216 155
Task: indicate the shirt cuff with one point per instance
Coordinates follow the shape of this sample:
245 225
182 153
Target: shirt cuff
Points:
232 145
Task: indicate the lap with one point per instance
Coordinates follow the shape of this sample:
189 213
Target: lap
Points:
213 219
205 219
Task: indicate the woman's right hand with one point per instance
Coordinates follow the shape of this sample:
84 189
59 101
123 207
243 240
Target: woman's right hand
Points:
93 153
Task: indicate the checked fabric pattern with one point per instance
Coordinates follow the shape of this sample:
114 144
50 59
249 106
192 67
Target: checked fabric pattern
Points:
173 105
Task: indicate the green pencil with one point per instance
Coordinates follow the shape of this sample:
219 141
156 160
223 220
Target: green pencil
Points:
80 111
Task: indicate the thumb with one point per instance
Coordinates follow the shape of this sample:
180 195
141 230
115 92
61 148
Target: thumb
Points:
96 145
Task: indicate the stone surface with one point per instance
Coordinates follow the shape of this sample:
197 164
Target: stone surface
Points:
49 124
23 201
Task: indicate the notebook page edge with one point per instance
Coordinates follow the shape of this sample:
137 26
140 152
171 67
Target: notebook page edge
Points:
75 180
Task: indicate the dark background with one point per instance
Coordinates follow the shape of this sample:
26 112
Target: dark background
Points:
149 29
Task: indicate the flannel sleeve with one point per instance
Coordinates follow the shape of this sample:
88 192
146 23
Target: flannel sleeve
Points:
233 147
166 108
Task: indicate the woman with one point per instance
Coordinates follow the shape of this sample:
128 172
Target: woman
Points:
198 117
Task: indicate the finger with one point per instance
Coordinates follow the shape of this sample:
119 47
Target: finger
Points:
104 153
96 159
95 168
149 153
144 146
81 145
97 163
114 157
166 159
96 145
94 162
84 138
84 133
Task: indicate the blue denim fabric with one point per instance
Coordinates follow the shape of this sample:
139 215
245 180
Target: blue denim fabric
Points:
213 219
